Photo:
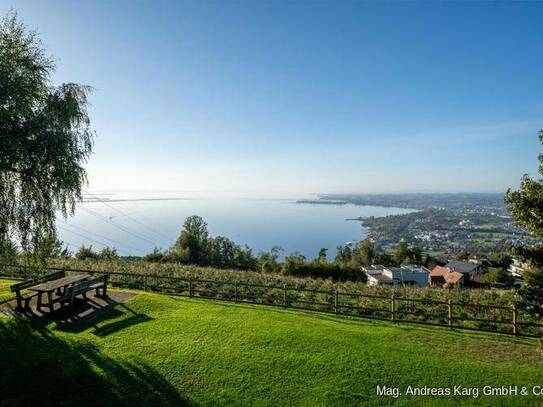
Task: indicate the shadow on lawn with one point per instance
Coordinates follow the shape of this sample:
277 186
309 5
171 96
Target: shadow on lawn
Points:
115 313
38 368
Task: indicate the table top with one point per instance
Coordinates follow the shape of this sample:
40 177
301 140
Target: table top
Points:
59 283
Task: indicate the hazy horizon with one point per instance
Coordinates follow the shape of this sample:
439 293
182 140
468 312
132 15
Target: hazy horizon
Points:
292 98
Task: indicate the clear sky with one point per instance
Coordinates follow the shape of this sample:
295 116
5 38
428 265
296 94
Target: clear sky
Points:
300 96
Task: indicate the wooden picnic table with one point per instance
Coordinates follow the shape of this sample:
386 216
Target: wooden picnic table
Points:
58 285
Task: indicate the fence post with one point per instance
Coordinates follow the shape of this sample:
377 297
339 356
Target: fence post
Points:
284 295
393 307
190 287
236 291
336 295
449 313
514 319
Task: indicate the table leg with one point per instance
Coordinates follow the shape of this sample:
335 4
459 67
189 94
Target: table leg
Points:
40 301
50 300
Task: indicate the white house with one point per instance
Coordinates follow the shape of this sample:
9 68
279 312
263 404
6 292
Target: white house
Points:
518 267
404 275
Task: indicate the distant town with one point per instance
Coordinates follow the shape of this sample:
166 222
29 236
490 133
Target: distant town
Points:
441 225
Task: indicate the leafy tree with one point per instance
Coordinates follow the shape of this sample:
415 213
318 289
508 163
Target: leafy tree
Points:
45 138
526 208
292 263
85 253
402 251
8 252
192 245
47 247
221 252
462 255
415 254
268 261
321 257
244 258
501 260
531 295
430 262
363 253
108 253
498 275
156 256
526 204
344 255
383 259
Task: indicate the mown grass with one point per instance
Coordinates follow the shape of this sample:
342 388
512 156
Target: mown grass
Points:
159 350
5 292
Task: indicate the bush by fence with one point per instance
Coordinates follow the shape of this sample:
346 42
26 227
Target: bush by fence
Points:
392 306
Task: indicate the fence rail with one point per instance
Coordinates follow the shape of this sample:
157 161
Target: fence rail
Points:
472 316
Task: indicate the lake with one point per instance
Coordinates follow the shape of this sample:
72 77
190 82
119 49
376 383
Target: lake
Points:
136 222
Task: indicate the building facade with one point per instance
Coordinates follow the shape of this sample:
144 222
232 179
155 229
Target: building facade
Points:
404 275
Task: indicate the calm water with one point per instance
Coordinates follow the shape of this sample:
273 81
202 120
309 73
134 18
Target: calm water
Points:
134 225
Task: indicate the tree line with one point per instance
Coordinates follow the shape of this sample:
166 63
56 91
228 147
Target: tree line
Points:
195 246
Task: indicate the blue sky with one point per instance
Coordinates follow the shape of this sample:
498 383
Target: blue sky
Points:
300 97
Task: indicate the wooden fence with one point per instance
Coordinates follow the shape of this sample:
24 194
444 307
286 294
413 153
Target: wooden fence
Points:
479 317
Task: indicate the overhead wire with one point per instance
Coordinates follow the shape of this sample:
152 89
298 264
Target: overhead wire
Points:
99 235
118 226
83 236
127 216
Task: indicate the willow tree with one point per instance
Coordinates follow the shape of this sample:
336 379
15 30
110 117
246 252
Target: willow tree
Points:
45 139
526 208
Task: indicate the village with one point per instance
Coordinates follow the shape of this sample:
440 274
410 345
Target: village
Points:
454 274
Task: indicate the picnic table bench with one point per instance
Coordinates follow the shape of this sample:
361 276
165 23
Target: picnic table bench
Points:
59 286
99 284
27 297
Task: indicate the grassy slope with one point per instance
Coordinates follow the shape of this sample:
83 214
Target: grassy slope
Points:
161 350
5 292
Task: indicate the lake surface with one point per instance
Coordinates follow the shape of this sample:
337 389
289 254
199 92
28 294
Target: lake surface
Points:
135 222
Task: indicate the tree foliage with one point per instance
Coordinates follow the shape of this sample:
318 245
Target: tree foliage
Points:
85 253
408 255
45 138
526 203
526 208
192 244
363 253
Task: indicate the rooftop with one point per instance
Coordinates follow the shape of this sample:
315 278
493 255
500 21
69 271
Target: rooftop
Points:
439 271
453 277
462 266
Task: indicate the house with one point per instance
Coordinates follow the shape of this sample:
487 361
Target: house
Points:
471 268
404 275
456 279
437 275
456 273
443 276
518 267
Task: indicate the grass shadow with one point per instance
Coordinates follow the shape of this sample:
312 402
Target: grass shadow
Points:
121 324
39 368
112 312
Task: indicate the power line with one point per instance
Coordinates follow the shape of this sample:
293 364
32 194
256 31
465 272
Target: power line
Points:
120 227
100 236
127 216
83 236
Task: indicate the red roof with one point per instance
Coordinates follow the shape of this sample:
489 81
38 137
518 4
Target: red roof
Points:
439 271
453 277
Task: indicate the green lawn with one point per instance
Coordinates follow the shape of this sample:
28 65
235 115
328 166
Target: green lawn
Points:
158 350
5 292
